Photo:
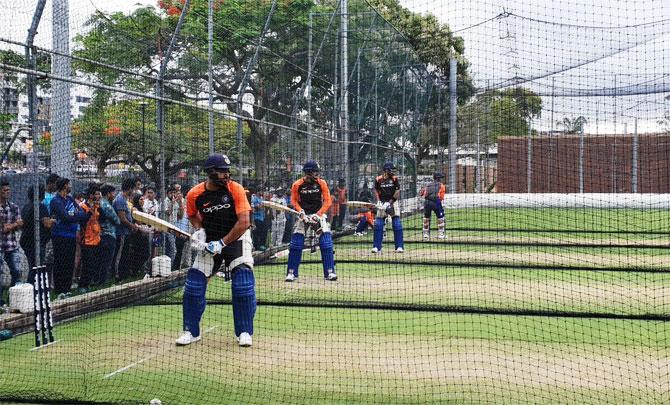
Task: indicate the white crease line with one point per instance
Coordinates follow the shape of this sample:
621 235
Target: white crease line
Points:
48 344
129 366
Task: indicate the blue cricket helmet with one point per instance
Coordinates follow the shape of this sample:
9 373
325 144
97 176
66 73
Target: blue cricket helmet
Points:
217 161
438 175
388 166
311 166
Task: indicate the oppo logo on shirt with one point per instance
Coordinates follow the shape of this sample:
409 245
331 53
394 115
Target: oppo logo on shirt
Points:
216 208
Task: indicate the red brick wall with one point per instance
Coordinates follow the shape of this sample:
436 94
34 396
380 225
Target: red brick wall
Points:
466 177
607 164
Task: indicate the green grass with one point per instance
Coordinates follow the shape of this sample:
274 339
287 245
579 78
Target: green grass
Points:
310 354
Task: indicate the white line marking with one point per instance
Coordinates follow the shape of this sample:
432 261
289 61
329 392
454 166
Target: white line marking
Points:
43 346
131 365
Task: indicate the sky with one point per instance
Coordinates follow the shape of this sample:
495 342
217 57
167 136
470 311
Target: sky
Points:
568 48
571 48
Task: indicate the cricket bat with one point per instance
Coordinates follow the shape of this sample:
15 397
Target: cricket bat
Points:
277 206
157 223
360 204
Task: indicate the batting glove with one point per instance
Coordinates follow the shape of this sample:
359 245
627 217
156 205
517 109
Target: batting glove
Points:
386 205
198 245
215 247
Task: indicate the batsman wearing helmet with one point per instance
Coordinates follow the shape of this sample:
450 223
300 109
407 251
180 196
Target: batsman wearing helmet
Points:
387 188
433 195
311 197
219 211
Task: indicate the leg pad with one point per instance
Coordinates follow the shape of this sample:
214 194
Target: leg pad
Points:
194 300
244 299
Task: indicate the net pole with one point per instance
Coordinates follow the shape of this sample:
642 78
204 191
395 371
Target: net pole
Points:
309 86
581 160
634 164
61 147
452 126
529 159
345 91
160 112
32 113
478 176
243 85
210 76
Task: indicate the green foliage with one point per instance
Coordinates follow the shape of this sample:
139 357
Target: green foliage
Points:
499 113
136 42
572 126
124 131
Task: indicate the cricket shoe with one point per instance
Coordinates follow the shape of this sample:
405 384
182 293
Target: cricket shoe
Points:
290 277
332 276
399 250
426 235
441 235
244 339
186 339
374 250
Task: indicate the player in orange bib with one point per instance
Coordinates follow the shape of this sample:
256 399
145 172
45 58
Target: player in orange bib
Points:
433 195
219 211
387 188
311 198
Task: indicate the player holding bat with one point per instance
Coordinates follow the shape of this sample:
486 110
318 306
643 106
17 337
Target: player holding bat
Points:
311 198
387 188
219 211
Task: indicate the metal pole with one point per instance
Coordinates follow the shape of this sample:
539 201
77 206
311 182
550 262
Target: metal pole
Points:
440 152
529 159
160 122
376 121
210 76
345 91
614 103
478 176
32 118
243 85
143 106
453 136
309 88
581 160
61 147
553 89
634 165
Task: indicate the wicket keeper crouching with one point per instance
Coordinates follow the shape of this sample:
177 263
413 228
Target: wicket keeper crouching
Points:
311 197
218 208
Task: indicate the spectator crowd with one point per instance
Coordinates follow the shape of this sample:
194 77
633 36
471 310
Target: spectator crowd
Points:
90 239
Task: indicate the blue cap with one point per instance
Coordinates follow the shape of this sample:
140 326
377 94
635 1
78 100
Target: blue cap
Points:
311 166
217 161
389 166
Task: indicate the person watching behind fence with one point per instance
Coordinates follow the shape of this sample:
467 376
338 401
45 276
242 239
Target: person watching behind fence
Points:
174 211
27 240
109 220
90 234
127 227
10 217
68 216
50 191
279 221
